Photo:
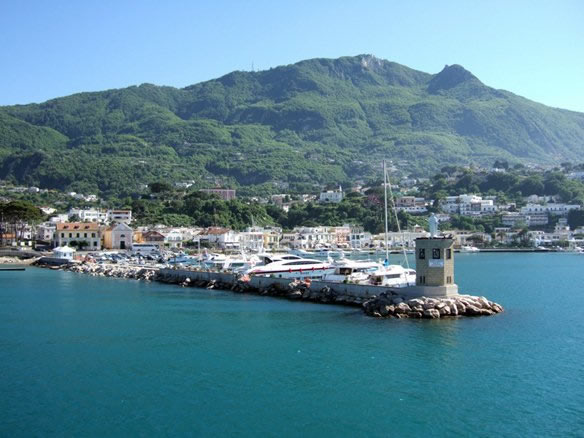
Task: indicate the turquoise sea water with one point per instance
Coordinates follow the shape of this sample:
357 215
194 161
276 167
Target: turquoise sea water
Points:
90 356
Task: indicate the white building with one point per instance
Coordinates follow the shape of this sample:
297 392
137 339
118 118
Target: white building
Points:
468 205
221 237
119 216
89 215
554 209
252 239
360 238
64 253
334 196
45 232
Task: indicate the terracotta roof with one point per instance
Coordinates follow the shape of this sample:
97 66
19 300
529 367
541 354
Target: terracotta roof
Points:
77 226
216 230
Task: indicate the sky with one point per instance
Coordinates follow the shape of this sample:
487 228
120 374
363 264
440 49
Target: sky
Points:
55 48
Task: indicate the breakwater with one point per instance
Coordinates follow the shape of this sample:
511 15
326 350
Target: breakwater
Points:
376 301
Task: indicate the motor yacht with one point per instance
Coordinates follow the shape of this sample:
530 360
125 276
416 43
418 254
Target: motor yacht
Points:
352 271
468 248
393 276
294 269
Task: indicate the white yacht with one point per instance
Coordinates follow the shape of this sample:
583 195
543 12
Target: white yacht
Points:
468 248
297 269
394 276
351 271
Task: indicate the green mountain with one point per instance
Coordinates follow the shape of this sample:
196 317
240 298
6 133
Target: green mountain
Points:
318 121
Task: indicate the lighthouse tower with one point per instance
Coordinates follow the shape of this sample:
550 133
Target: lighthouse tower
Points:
435 263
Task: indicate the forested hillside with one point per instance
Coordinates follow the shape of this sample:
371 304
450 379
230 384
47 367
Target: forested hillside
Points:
316 122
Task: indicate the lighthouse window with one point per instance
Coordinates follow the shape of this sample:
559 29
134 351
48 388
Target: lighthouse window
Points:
435 253
422 254
449 253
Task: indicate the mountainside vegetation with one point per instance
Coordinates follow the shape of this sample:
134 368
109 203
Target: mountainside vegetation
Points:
291 128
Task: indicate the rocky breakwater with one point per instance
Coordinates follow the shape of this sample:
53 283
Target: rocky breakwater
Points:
430 308
294 291
110 270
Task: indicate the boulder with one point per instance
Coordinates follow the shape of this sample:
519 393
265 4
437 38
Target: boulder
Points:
453 309
431 313
402 308
397 300
444 311
415 314
485 304
415 302
472 310
295 295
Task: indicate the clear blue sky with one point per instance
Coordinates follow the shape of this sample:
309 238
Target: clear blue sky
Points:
55 48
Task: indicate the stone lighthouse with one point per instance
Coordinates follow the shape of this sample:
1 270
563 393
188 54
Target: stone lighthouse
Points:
435 263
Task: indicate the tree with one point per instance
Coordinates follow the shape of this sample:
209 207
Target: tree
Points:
160 187
15 216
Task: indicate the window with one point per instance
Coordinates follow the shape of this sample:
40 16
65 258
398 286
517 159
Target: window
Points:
92 234
62 235
84 234
70 235
449 253
435 253
77 234
422 254
449 279
422 279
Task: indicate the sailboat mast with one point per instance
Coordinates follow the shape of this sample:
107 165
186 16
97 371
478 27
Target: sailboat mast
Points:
385 193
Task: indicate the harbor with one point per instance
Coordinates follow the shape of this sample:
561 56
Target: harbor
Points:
430 294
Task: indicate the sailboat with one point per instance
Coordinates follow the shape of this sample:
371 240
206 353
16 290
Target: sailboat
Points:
392 275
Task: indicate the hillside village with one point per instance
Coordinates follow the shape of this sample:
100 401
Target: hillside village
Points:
485 220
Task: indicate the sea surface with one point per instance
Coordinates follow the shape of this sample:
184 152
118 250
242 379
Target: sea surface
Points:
85 356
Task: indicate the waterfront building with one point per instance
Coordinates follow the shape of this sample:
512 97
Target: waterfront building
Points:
151 237
173 238
223 238
252 239
272 237
64 253
45 232
119 236
360 238
75 233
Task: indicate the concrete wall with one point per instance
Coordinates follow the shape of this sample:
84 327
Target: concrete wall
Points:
351 290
